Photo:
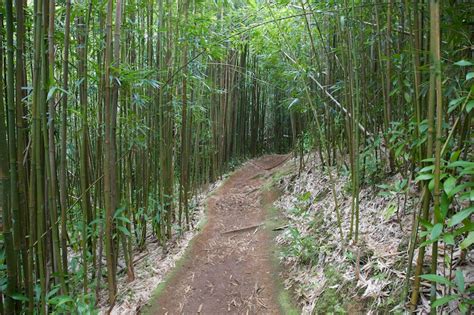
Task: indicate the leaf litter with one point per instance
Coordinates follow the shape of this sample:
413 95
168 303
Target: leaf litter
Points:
372 271
152 266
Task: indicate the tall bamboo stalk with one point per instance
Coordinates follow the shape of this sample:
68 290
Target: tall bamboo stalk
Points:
109 162
8 166
435 51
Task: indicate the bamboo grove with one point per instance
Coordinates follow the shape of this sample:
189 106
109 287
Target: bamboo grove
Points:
115 113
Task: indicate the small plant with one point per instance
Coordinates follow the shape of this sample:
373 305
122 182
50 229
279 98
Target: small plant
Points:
457 288
397 190
332 299
453 225
301 247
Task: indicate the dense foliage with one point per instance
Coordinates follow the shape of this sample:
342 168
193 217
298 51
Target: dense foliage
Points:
114 113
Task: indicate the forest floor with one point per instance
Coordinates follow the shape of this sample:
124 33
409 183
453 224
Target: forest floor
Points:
230 267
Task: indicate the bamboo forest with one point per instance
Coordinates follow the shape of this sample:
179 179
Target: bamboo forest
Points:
236 157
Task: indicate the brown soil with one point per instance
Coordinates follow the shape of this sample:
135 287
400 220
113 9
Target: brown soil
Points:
229 268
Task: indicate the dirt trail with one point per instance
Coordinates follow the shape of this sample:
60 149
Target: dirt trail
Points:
229 268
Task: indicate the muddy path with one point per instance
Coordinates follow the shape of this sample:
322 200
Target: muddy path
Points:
229 268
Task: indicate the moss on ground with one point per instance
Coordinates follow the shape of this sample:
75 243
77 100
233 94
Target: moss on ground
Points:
332 298
275 220
285 297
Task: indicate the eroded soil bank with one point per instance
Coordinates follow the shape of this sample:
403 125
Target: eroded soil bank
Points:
229 268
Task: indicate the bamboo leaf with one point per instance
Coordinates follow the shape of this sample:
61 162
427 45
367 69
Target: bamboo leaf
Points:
431 185
460 216
427 242
463 164
53 90
454 156
454 104
388 213
469 195
124 219
463 63
464 308
124 230
118 212
444 300
461 187
294 102
467 227
467 171
252 3
426 224
459 280
448 239
469 106
424 176
427 168
19 297
437 279
449 185
468 240
60 300
52 292
436 231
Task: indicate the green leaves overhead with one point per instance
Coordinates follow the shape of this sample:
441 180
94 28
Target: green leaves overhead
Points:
116 118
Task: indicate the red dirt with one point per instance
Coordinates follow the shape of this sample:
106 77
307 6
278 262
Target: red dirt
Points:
229 268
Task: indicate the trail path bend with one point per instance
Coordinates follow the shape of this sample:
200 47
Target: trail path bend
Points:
229 267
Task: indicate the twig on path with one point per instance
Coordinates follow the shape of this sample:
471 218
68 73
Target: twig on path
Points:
278 164
280 228
252 191
243 229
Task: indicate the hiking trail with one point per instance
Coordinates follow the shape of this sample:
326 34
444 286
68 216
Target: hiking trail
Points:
228 269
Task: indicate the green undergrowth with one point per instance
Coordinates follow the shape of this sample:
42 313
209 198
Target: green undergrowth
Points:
275 220
274 179
311 249
333 298
341 296
285 297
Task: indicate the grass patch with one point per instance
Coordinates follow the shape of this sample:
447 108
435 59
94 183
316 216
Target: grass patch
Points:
332 298
285 298
284 171
274 220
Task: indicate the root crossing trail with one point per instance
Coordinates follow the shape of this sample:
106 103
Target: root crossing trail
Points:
229 267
